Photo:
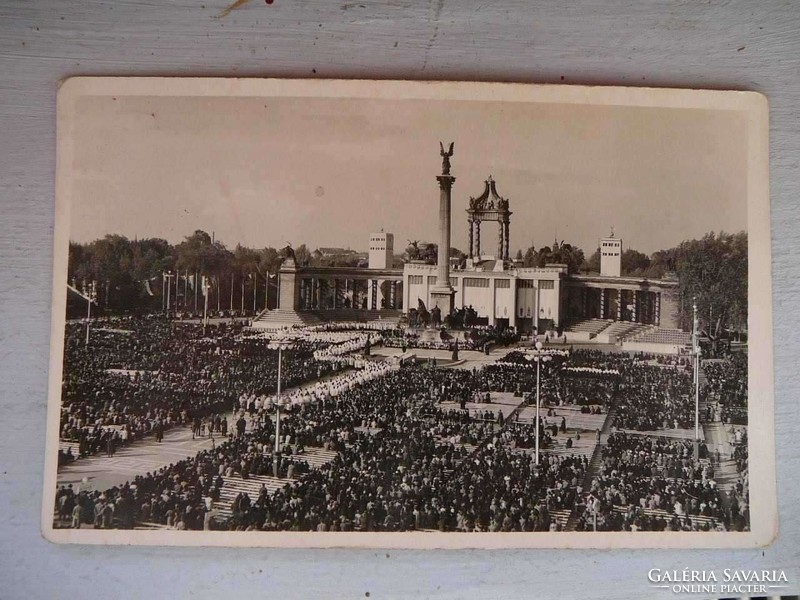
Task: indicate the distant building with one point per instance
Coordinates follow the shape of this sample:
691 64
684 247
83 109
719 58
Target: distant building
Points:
611 256
333 252
381 250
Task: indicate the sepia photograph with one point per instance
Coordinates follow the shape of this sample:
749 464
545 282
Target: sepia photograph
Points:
410 314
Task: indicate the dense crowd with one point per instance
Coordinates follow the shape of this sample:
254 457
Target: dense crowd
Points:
411 471
403 462
142 376
726 387
652 397
477 338
647 475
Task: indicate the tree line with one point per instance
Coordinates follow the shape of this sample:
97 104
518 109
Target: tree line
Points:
133 275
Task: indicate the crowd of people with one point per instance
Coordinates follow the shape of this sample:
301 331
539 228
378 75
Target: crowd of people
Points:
141 376
411 471
726 387
402 461
477 338
651 398
657 482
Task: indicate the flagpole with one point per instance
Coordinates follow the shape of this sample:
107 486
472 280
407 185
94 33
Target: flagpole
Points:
231 309
205 305
266 293
255 290
242 296
88 317
169 289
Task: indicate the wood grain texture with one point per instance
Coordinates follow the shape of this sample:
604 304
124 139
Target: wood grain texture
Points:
701 43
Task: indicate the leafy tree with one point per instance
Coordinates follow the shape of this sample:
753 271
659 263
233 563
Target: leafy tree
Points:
712 272
634 263
302 255
592 265
558 253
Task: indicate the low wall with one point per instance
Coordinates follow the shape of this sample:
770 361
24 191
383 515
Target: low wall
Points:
578 336
652 348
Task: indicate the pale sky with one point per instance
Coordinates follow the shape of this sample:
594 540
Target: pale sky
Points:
328 172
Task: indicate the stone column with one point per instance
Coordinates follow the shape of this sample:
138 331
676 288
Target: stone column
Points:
602 303
443 264
500 241
443 293
478 239
506 253
335 294
658 309
471 232
619 305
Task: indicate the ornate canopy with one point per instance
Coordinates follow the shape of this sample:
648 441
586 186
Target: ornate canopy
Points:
489 206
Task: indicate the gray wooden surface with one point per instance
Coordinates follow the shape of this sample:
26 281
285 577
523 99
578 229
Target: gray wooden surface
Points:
698 43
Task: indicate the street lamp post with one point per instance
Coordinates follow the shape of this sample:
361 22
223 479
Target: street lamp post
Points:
539 356
279 403
90 297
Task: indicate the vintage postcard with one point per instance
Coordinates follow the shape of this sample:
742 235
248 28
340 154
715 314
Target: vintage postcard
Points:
310 313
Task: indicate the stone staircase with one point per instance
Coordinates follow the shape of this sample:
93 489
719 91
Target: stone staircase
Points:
281 318
251 486
593 470
315 457
389 315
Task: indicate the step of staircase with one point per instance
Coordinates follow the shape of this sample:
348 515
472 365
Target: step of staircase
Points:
280 318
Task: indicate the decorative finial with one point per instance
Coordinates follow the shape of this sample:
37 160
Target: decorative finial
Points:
446 157
612 231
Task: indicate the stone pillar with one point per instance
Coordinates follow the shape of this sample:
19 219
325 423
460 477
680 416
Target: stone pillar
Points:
492 301
443 263
602 303
506 228
500 242
335 294
512 319
442 295
289 291
584 303
471 232
619 305
658 309
478 239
